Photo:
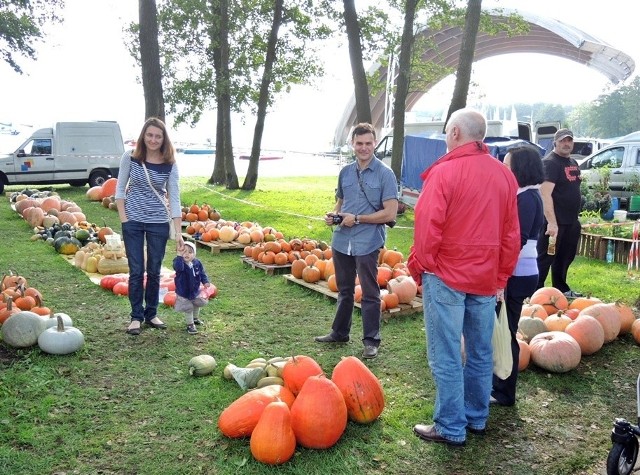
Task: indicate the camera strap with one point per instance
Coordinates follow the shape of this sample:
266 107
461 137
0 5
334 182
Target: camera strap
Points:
362 189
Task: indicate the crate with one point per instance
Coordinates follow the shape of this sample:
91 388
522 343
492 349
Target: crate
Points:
269 269
214 246
403 309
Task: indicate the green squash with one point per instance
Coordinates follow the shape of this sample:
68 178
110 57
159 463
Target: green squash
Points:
66 245
201 365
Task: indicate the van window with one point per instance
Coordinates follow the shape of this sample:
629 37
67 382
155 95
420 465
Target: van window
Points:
38 147
582 148
611 158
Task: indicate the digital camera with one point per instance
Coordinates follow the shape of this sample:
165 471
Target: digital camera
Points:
391 223
337 219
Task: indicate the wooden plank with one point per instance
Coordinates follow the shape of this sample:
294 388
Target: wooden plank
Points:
269 269
595 246
322 287
215 246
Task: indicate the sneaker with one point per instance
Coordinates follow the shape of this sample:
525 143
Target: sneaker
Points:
197 321
191 329
570 294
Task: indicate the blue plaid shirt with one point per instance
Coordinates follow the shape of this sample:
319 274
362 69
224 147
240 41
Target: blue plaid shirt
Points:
379 183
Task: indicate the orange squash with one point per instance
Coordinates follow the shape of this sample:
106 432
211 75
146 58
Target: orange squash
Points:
608 316
109 187
319 414
272 440
551 299
360 388
404 287
241 416
297 370
588 332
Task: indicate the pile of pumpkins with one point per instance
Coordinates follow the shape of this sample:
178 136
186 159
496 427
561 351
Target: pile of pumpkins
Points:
554 333
104 193
26 322
308 410
245 232
313 263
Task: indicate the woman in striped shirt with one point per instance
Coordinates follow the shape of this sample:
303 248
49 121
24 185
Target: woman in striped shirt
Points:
145 216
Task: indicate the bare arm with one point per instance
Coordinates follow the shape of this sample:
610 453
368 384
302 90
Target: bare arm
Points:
549 212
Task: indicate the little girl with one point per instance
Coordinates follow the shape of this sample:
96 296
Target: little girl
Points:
189 275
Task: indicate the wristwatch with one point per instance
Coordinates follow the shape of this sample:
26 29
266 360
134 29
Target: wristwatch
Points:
356 221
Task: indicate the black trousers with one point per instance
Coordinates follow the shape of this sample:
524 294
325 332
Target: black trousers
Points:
518 289
566 248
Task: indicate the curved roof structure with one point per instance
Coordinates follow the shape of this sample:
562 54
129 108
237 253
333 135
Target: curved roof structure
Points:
545 36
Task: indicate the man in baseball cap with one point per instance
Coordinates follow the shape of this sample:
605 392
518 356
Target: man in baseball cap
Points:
562 200
562 134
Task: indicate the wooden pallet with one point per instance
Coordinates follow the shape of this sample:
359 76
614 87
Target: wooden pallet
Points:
595 246
215 246
269 269
404 309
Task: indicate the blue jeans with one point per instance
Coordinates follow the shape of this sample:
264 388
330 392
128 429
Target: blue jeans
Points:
134 234
462 391
367 269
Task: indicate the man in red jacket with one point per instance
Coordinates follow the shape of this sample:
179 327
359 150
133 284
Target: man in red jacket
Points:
466 244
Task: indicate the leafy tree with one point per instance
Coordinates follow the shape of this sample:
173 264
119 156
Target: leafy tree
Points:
21 26
361 88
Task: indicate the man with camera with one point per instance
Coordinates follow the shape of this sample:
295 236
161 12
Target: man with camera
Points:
366 200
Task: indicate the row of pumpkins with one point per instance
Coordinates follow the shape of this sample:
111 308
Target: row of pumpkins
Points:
231 231
554 333
308 409
312 262
25 322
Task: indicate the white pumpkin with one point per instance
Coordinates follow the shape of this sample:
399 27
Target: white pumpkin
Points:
59 340
52 321
22 329
201 365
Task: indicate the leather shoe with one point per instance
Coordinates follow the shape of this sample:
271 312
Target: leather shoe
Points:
370 352
429 434
157 326
330 339
134 331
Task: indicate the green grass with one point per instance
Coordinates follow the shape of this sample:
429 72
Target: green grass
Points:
127 405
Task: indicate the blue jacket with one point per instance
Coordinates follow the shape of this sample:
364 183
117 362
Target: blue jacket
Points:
188 279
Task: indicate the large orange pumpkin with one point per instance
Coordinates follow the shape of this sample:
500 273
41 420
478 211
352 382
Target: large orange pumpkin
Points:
109 187
551 299
404 287
360 388
272 440
241 416
608 316
525 355
583 302
296 371
587 332
297 267
392 257
319 414
556 352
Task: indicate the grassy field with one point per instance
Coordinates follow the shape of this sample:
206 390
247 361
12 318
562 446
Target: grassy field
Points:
127 405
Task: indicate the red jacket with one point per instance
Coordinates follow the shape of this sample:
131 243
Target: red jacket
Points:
466 222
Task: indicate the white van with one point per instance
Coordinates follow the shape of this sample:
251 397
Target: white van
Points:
69 152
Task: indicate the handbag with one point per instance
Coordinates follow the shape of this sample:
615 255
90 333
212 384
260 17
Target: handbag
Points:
172 228
501 341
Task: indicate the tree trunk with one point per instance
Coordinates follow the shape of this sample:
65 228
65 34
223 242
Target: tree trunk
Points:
150 60
467 51
224 143
361 88
251 179
402 86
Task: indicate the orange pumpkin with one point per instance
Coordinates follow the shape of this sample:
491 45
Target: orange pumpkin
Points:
332 283
242 415
109 187
608 316
272 440
551 299
627 317
391 300
360 388
583 302
588 332
296 371
385 274
556 352
525 355
557 322
404 287
392 257
297 267
311 274
533 310
635 331
319 414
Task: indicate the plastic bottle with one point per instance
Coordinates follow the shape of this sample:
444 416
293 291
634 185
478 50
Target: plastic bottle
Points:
610 251
551 250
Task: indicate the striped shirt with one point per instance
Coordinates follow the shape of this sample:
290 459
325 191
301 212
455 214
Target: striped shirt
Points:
140 202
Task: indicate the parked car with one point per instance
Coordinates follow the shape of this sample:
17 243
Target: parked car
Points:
620 162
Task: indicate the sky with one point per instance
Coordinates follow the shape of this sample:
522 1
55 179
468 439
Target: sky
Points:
84 72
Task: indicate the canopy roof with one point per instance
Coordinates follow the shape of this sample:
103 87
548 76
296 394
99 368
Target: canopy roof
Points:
545 36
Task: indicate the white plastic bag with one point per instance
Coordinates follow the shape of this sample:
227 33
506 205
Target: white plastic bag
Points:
501 340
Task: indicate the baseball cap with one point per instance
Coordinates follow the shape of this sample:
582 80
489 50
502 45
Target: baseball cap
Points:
191 245
561 134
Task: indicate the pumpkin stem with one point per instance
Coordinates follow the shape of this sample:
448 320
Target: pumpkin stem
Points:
60 327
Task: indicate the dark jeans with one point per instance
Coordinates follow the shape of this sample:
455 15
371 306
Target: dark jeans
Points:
518 289
366 268
134 234
566 248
